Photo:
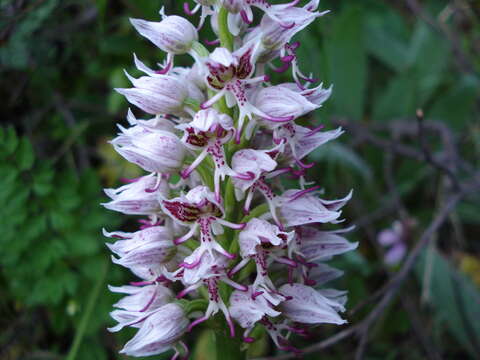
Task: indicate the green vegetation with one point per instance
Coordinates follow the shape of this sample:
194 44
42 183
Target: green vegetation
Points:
59 63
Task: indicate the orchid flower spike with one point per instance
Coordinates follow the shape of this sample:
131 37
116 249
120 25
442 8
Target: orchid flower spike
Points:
222 236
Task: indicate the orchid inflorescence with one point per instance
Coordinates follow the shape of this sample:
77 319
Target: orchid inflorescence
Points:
220 233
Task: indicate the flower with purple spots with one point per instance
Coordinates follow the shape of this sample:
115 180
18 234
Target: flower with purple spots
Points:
223 240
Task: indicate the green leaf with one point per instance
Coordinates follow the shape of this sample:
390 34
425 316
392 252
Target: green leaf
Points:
214 346
92 348
8 183
67 197
457 106
43 181
25 155
61 220
347 63
468 212
46 290
396 100
428 57
83 244
454 297
17 203
339 154
385 41
10 141
310 40
15 53
37 226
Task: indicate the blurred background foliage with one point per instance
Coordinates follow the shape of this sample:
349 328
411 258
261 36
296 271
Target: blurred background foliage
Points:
59 61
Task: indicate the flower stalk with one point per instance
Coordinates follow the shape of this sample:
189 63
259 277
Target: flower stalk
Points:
226 38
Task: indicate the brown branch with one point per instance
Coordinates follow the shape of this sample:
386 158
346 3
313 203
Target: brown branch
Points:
396 282
429 158
344 334
362 133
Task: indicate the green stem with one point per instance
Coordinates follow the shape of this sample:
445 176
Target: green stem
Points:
196 305
228 348
77 341
258 211
205 173
200 49
226 38
221 105
230 201
192 104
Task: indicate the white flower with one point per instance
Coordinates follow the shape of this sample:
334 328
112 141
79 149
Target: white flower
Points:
146 248
140 303
302 141
140 197
174 35
279 102
209 131
250 165
230 74
153 150
300 207
199 209
307 305
258 232
159 332
161 94
322 245
249 307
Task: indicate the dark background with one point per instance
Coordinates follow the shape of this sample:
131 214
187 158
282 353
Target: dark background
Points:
60 60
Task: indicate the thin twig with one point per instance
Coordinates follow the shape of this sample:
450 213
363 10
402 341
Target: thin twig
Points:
77 341
396 282
362 133
428 154
344 334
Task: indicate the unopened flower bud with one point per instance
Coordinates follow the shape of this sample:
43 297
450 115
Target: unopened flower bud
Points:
156 151
157 94
135 199
299 207
308 306
144 248
141 299
174 34
281 103
159 332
